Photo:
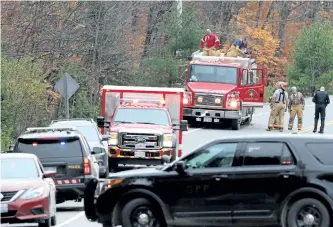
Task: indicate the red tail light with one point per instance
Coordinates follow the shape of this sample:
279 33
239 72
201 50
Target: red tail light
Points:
87 169
180 153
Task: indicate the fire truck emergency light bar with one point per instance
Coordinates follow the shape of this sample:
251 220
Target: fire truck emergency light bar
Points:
50 129
161 101
244 62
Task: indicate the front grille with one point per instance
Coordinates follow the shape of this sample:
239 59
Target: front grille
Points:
7 196
208 100
147 141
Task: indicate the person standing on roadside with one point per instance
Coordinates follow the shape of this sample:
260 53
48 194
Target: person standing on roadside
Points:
321 100
296 107
280 98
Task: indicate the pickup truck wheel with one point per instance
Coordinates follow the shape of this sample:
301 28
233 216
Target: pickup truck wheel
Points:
235 124
308 212
140 212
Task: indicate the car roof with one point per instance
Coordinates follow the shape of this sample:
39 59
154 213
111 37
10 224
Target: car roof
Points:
18 155
49 134
72 123
272 136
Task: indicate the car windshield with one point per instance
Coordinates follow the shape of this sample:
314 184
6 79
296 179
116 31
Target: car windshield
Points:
213 74
18 168
51 148
142 116
89 132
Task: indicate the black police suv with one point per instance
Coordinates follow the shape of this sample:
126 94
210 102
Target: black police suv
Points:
65 151
97 142
255 181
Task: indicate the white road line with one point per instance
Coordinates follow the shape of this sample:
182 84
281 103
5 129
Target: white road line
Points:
70 220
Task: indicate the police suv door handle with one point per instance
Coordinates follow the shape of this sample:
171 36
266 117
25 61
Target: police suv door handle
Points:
220 176
288 173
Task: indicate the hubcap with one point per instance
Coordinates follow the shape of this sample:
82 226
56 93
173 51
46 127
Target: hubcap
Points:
143 219
309 216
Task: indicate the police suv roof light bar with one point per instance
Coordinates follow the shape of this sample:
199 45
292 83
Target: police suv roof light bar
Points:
50 129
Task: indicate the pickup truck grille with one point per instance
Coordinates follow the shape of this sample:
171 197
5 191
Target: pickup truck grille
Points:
208 100
149 141
7 196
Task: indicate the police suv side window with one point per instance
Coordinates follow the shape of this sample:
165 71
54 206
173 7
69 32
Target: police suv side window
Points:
322 152
267 153
215 156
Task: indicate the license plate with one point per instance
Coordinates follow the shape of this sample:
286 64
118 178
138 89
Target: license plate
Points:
50 169
140 154
140 146
3 208
207 119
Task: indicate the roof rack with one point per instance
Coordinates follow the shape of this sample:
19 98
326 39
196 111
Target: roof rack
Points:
51 129
85 119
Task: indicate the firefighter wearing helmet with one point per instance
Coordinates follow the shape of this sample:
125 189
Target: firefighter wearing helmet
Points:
279 107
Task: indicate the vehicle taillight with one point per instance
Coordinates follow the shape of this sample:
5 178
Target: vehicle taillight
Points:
87 169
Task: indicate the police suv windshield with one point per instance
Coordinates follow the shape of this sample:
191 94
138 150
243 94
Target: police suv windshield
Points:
213 74
141 116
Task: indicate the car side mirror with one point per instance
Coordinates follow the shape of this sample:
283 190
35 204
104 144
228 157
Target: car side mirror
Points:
165 159
49 174
92 152
180 167
105 137
183 125
101 123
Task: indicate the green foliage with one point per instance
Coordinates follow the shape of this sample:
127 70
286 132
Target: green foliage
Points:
268 93
163 69
24 98
313 57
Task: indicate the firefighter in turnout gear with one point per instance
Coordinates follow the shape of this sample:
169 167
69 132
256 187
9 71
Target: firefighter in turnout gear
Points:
296 107
272 102
280 99
209 43
321 99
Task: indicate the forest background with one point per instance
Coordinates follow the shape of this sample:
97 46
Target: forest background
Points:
145 44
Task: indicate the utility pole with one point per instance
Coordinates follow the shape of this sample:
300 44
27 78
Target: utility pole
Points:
179 11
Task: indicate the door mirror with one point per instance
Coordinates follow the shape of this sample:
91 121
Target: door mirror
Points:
97 150
49 174
180 167
183 125
165 159
105 137
101 123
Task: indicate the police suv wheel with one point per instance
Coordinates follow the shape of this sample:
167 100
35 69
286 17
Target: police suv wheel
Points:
141 213
308 212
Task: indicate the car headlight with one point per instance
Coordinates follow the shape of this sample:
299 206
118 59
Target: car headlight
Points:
167 140
233 104
185 100
32 193
113 140
218 101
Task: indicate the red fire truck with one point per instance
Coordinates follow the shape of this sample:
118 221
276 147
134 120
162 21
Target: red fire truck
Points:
144 123
222 89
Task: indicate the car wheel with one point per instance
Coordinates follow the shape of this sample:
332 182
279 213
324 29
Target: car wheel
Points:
140 212
308 212
53 220
235 124
47 223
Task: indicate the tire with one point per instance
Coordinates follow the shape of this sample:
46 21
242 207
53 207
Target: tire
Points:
235 124
113 166
47 223
307 204
106 174
53 220
129 210
249 119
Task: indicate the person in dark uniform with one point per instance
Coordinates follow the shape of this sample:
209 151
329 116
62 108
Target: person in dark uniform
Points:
321 99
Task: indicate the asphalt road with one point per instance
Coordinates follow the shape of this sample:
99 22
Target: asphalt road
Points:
71 213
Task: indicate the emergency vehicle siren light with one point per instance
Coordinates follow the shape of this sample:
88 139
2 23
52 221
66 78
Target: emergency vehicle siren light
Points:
50 129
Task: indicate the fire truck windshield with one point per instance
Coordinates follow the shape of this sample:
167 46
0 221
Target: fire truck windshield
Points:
141 116
213 74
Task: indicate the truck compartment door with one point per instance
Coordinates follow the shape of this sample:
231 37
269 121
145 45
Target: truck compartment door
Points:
252 84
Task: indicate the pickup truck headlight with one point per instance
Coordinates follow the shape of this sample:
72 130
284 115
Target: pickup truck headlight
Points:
113 140
167 140
32 193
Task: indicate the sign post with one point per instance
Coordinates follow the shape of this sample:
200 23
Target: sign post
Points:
66 87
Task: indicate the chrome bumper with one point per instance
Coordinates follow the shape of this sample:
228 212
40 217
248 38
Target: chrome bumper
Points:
216 114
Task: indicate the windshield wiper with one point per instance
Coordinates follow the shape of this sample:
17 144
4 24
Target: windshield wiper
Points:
124 122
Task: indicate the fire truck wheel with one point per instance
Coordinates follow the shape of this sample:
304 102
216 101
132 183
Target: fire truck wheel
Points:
113 166
235 124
